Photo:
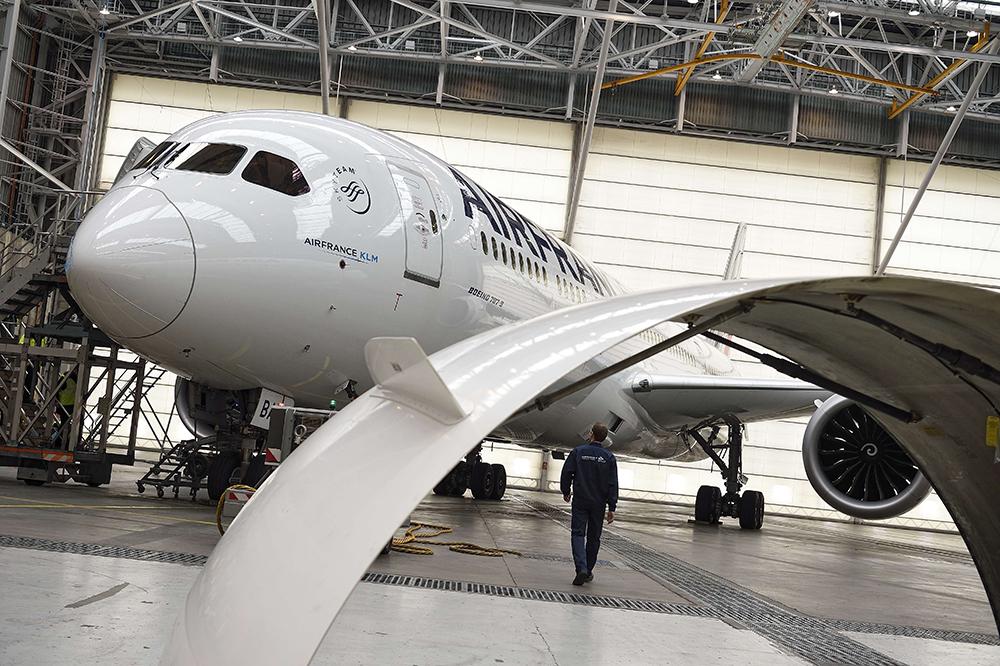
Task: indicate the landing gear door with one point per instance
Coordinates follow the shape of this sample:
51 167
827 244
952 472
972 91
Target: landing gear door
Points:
421 225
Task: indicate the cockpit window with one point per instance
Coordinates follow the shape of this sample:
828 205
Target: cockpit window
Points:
277 173
157 153
217 158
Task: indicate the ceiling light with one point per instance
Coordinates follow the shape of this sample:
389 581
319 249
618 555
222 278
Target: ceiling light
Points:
972 33
692 2
478 58
834 91
237 38
716 77
951 108
914 12
833 13
352 47
105 11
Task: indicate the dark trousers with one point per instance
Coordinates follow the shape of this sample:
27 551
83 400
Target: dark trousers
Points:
585 535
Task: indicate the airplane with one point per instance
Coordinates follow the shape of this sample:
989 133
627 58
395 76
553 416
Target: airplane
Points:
259 251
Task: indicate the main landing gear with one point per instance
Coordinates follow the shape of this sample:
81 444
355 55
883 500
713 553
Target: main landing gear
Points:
711 504
487 482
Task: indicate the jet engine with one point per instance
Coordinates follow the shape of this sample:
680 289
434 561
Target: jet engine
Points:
202 409
856 466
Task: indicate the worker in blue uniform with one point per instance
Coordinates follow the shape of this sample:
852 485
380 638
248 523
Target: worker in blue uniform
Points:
590 479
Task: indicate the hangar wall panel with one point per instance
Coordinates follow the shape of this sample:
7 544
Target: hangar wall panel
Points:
955 234
524 162
154 108
662 210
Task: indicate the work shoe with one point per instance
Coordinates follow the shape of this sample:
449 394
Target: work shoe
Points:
590 577
581 578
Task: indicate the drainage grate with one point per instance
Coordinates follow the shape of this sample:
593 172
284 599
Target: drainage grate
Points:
101 550
608 564
809 638
914 632
532 594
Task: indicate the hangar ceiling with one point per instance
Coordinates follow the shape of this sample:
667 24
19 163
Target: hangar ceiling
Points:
881 77
819 73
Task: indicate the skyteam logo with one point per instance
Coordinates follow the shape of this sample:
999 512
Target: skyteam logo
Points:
352 191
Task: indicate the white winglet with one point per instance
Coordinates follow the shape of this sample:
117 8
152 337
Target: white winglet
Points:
404 374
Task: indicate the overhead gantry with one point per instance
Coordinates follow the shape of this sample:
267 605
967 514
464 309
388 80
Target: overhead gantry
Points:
922 354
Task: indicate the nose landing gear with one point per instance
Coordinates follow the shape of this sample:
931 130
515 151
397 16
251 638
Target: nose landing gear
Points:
711 504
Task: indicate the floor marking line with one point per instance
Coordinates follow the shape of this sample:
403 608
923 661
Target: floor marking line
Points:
97 597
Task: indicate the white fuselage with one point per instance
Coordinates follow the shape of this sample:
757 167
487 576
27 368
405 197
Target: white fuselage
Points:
235 285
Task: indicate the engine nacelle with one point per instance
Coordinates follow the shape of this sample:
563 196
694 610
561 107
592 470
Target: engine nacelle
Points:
202 409
856 466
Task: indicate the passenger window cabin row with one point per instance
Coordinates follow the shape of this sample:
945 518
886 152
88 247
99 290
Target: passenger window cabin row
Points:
531 268
264 168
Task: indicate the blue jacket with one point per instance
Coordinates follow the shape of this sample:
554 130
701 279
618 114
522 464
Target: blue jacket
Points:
591 472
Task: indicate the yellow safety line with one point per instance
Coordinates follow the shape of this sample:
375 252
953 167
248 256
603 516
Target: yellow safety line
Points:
84 506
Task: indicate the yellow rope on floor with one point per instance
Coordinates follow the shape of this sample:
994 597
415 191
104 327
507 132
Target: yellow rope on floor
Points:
222 503
405 543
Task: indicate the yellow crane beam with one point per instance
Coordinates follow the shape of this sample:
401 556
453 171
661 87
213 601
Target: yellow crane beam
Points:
683 78
898 108
777 58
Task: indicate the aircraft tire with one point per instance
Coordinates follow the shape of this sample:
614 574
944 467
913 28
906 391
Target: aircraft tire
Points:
708 505
482 481
459 479
256 471
751 510
219 473
499 482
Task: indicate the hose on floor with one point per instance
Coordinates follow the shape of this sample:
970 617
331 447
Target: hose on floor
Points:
222 503
406 543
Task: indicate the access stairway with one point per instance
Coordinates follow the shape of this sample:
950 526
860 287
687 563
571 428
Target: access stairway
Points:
45 343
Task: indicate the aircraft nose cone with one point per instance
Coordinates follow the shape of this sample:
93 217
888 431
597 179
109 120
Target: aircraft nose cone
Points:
131 265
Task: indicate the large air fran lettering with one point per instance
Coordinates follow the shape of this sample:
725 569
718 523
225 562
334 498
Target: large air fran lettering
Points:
518 229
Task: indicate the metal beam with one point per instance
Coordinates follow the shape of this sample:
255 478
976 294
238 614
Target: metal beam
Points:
938 157
263 27
683 78
951 70
588 132
9 38
877 223
184 4
322 8
34 165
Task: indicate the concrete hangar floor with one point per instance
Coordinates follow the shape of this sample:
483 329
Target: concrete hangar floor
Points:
98 575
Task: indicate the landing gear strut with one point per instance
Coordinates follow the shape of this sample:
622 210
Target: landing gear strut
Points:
488 482
711 504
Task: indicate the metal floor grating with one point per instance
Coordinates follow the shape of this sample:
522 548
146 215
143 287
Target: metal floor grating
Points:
101 550
914 632
532 594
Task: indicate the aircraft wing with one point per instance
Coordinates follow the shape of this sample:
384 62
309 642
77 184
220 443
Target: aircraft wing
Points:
686 400
929 349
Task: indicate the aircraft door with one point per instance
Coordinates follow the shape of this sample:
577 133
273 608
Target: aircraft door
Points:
421 225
